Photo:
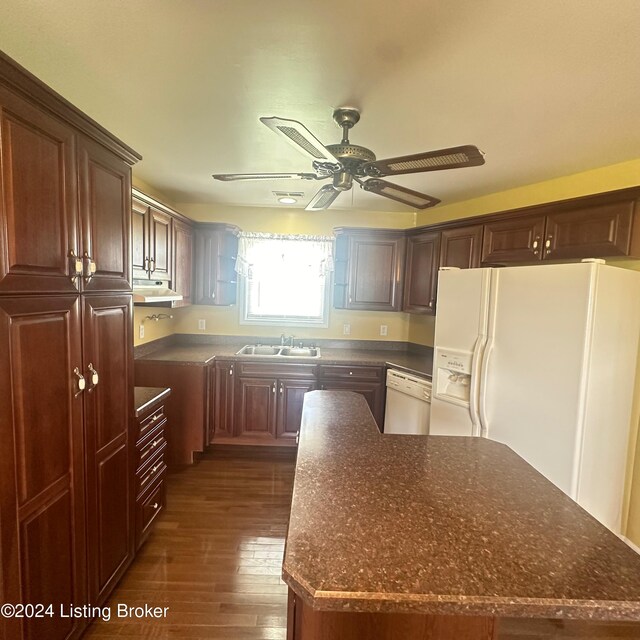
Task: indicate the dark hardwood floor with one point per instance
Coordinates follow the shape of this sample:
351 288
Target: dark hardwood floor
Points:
215 557
215 560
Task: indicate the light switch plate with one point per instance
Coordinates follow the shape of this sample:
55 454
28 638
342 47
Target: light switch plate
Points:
383 329
346 329
202 325
141 331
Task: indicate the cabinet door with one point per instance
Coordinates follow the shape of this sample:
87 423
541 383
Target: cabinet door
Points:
375 266
42 500
141 244
182 261
461 247
161 238
256 407
290 399
105 216
223 400
590 233
38 200
107 350
372 392
518 239
421 277
205 276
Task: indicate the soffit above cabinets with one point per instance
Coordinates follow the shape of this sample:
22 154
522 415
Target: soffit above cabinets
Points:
544 88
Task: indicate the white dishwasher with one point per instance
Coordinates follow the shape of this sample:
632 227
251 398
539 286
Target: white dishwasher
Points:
408 403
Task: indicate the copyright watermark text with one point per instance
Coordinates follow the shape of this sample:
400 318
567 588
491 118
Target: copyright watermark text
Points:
105 613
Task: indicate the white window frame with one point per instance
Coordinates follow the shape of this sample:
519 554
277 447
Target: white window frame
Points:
285 321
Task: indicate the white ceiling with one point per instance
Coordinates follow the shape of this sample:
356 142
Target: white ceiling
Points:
544 88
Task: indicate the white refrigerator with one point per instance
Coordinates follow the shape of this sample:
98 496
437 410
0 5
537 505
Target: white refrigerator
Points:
543 359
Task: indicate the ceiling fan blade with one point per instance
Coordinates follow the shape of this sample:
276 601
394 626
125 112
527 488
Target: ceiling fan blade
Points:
228 177
323 198
401 194
301 138
452 158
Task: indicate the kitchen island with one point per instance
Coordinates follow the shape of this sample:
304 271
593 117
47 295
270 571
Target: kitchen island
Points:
414 537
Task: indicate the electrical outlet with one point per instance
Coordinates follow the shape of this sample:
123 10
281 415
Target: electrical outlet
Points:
141 331
202 325
346 329
383 329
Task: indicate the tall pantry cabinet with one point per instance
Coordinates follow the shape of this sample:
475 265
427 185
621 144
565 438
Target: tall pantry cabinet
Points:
66 384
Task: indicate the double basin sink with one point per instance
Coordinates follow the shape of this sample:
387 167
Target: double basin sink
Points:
275 350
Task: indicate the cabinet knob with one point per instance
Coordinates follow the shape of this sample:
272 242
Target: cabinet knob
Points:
547 244
281 388
350 373
274 388
155 505
152 265
145 264
231 370
431 303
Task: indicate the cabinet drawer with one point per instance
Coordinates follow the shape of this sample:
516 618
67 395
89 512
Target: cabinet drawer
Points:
151 445
276 369
346 372
148 508
150 422
152 470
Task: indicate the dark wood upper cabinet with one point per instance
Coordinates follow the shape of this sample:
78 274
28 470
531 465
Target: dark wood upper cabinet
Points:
182 261
517 239
152 244
421 273
161 241
369 269
105 218
38 200
215 278
461 247
107 354
599 231
42 495
140 238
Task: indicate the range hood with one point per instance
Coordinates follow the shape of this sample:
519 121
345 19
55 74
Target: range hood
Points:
153 292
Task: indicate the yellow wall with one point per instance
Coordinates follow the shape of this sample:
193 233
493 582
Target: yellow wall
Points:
615 176
152 330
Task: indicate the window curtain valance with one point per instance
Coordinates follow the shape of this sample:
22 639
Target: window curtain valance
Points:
256 248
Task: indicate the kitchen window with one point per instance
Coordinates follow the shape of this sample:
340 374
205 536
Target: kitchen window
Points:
284 279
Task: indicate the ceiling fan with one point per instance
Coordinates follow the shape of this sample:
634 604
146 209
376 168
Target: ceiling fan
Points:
346 162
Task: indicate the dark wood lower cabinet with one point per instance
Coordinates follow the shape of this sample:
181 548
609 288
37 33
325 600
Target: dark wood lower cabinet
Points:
42 497
187 407
290 401
305 623
256 408
108 399
223 396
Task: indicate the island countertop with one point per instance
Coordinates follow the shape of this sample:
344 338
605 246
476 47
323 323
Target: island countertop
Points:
441 525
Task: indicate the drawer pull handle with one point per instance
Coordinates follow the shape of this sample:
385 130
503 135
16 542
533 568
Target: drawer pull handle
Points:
155 443
155 505
281 388
150 474
274 388
350 373
95 378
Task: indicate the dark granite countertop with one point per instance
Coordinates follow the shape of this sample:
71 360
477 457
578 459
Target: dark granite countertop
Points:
441 525
202 354
144 396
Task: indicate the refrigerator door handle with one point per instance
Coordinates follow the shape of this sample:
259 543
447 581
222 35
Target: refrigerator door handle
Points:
484 375
476 362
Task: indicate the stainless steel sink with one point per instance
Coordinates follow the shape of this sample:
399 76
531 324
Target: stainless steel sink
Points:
268 350
259 350
301 352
